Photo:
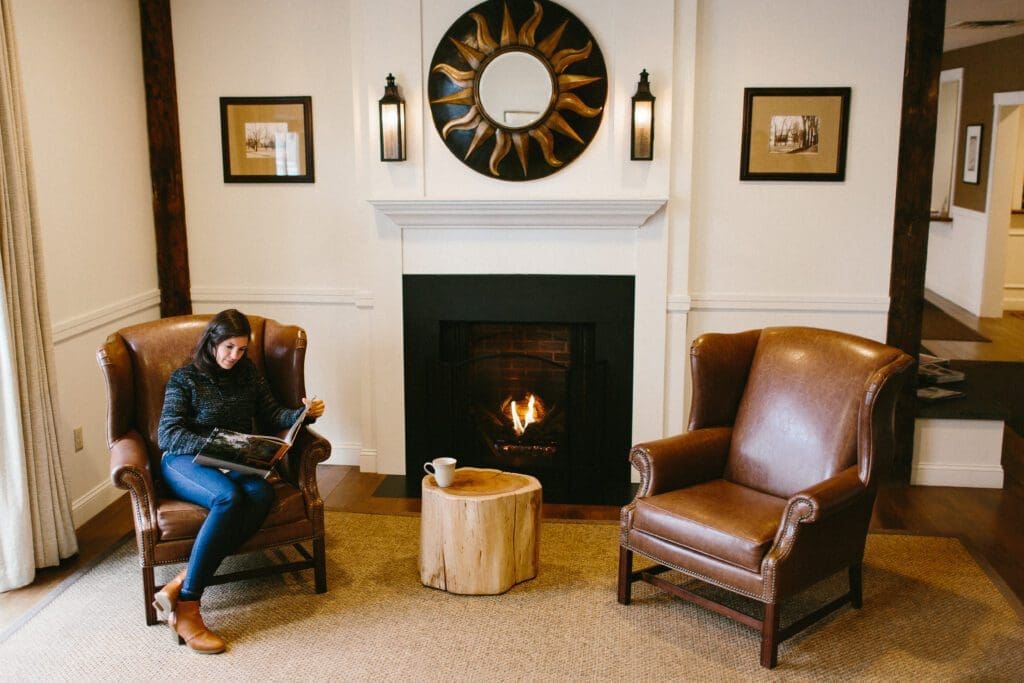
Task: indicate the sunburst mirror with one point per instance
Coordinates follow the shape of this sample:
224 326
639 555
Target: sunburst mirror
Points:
523 105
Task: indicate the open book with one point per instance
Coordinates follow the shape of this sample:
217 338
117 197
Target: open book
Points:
249 453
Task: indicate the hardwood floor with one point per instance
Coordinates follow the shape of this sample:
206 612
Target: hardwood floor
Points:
990 522
95 538
1006 335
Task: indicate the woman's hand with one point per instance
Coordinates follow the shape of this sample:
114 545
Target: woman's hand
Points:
316 407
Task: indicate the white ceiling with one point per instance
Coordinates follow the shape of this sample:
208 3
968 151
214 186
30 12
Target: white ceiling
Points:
980 10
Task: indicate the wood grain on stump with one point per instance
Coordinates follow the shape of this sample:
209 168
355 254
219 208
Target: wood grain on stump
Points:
479 535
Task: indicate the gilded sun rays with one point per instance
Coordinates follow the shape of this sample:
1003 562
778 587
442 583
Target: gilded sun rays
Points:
477 48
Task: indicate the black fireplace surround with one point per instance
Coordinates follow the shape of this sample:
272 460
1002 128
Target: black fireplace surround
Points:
559 346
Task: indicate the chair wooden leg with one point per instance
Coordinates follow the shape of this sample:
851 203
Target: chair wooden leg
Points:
320 565
856 585
148 591
769 636
625 570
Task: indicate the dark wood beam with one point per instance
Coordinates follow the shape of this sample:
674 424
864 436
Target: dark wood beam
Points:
913 199
165 157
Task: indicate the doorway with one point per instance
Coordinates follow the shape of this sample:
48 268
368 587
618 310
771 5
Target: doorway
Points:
1004 265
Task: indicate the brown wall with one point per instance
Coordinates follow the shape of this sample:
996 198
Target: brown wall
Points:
988 68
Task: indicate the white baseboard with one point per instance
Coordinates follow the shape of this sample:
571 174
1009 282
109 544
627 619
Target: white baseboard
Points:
1013 297
344 454
368 460
980 476
950 452
94 502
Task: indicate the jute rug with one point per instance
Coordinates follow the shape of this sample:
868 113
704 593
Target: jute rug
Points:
930 613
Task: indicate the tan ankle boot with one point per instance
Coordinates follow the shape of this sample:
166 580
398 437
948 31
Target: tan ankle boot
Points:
167 597
188 624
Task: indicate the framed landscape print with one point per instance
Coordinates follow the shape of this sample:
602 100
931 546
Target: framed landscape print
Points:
972 153
267 139
794 133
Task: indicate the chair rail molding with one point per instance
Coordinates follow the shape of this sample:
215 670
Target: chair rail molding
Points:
359 298
78 325
679 303
785 302
504 213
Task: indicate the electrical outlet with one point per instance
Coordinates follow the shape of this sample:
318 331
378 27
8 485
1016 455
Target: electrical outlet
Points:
79 439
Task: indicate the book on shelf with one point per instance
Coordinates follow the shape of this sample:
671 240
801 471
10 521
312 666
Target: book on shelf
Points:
929 359
937 393
930 373
250 453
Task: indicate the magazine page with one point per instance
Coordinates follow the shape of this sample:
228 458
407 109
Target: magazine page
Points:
250 453
289 438
252 450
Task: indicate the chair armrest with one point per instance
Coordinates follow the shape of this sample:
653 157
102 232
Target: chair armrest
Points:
816 504
683 460
129 469
829 496
823 529
129 463
309 450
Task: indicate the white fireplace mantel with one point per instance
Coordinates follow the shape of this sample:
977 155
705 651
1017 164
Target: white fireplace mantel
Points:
501 213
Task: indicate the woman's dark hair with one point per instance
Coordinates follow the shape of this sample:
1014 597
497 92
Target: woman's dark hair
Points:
224 325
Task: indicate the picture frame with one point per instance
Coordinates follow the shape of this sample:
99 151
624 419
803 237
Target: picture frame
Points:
972 153
795 134
267 139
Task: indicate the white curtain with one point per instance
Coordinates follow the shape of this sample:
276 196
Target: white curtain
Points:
36 529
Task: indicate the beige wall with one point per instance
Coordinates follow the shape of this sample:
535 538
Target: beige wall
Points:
82 70
791 251
725 254
988 68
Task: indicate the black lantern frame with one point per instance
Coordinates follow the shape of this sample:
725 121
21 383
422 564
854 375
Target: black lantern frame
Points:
641 131
391 109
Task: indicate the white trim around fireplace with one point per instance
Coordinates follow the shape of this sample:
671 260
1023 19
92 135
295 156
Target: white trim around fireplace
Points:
544 213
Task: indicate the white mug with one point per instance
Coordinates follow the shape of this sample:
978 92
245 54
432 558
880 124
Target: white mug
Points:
443 470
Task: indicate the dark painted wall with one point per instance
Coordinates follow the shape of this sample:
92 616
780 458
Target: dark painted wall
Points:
988 68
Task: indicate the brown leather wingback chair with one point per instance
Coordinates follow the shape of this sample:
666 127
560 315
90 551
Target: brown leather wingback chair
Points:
771 488
136 363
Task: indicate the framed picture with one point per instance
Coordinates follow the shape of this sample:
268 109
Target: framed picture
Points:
972 153
794 133
267 139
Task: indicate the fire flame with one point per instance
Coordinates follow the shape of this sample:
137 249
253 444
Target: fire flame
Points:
523 416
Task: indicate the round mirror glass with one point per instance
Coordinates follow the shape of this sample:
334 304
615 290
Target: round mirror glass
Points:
515 89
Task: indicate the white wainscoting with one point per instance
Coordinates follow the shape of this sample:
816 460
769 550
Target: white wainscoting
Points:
731 312
94 501
338 369
958 453
1013 290
82 399
338 360
956 258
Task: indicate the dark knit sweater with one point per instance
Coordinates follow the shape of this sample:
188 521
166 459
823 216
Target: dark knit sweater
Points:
195 402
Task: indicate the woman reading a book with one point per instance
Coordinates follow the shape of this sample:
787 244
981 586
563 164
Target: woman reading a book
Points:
219 388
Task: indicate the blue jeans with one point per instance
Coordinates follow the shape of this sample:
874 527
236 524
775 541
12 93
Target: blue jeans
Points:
238 504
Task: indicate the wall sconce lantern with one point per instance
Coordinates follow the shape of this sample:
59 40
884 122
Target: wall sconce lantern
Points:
641 144
392 123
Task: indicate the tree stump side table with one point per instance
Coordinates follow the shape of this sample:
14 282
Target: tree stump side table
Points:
479 535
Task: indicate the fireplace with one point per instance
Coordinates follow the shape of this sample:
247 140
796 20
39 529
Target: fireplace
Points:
523 373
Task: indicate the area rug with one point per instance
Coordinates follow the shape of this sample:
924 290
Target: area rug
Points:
937 324
930 613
